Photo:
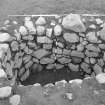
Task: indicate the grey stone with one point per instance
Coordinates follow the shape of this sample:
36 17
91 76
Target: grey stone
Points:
85 67
92 60
93 48
80 47
59 66
91 54
77 54
40 53
44 39
40 21
73 67
73 22
71 37
76 60
14 46
46 60
91 36
102 46
57 30
100 62
47 46
64 60
102 33
97 69
66 52
40 30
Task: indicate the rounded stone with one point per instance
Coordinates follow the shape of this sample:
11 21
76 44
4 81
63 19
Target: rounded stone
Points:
4 36
57 30
71 37
73 22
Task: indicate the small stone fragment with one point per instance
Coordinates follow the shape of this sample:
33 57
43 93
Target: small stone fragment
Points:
92 60
40 53
91 36
97 69
73 67
57 30
44 39
23 31
73 22
77 54
71 37
98 21
40 21
5 91
40 30
102 33
15 99
49 32
2 73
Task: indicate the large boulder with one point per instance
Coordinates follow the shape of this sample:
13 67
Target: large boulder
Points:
73 22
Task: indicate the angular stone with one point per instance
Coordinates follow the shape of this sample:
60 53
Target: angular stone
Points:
102 46
26 58
91 54
85 67
40 53
92 60
40 21
98 21
59 66
57 30
76 60
49 32
50 66
64 60
46 60
91 37
73 22
47 46
5 91
77 54
44 39
30 26
23 30
15 99
100 62
40 30
71 37
73 67
80 47
97 69
102 33
66 52
93 48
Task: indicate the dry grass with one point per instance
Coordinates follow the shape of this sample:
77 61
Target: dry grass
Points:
8 7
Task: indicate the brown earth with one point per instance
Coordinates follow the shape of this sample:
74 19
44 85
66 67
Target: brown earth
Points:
9 7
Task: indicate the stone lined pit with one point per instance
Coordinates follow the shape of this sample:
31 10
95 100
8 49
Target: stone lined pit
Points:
46 49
